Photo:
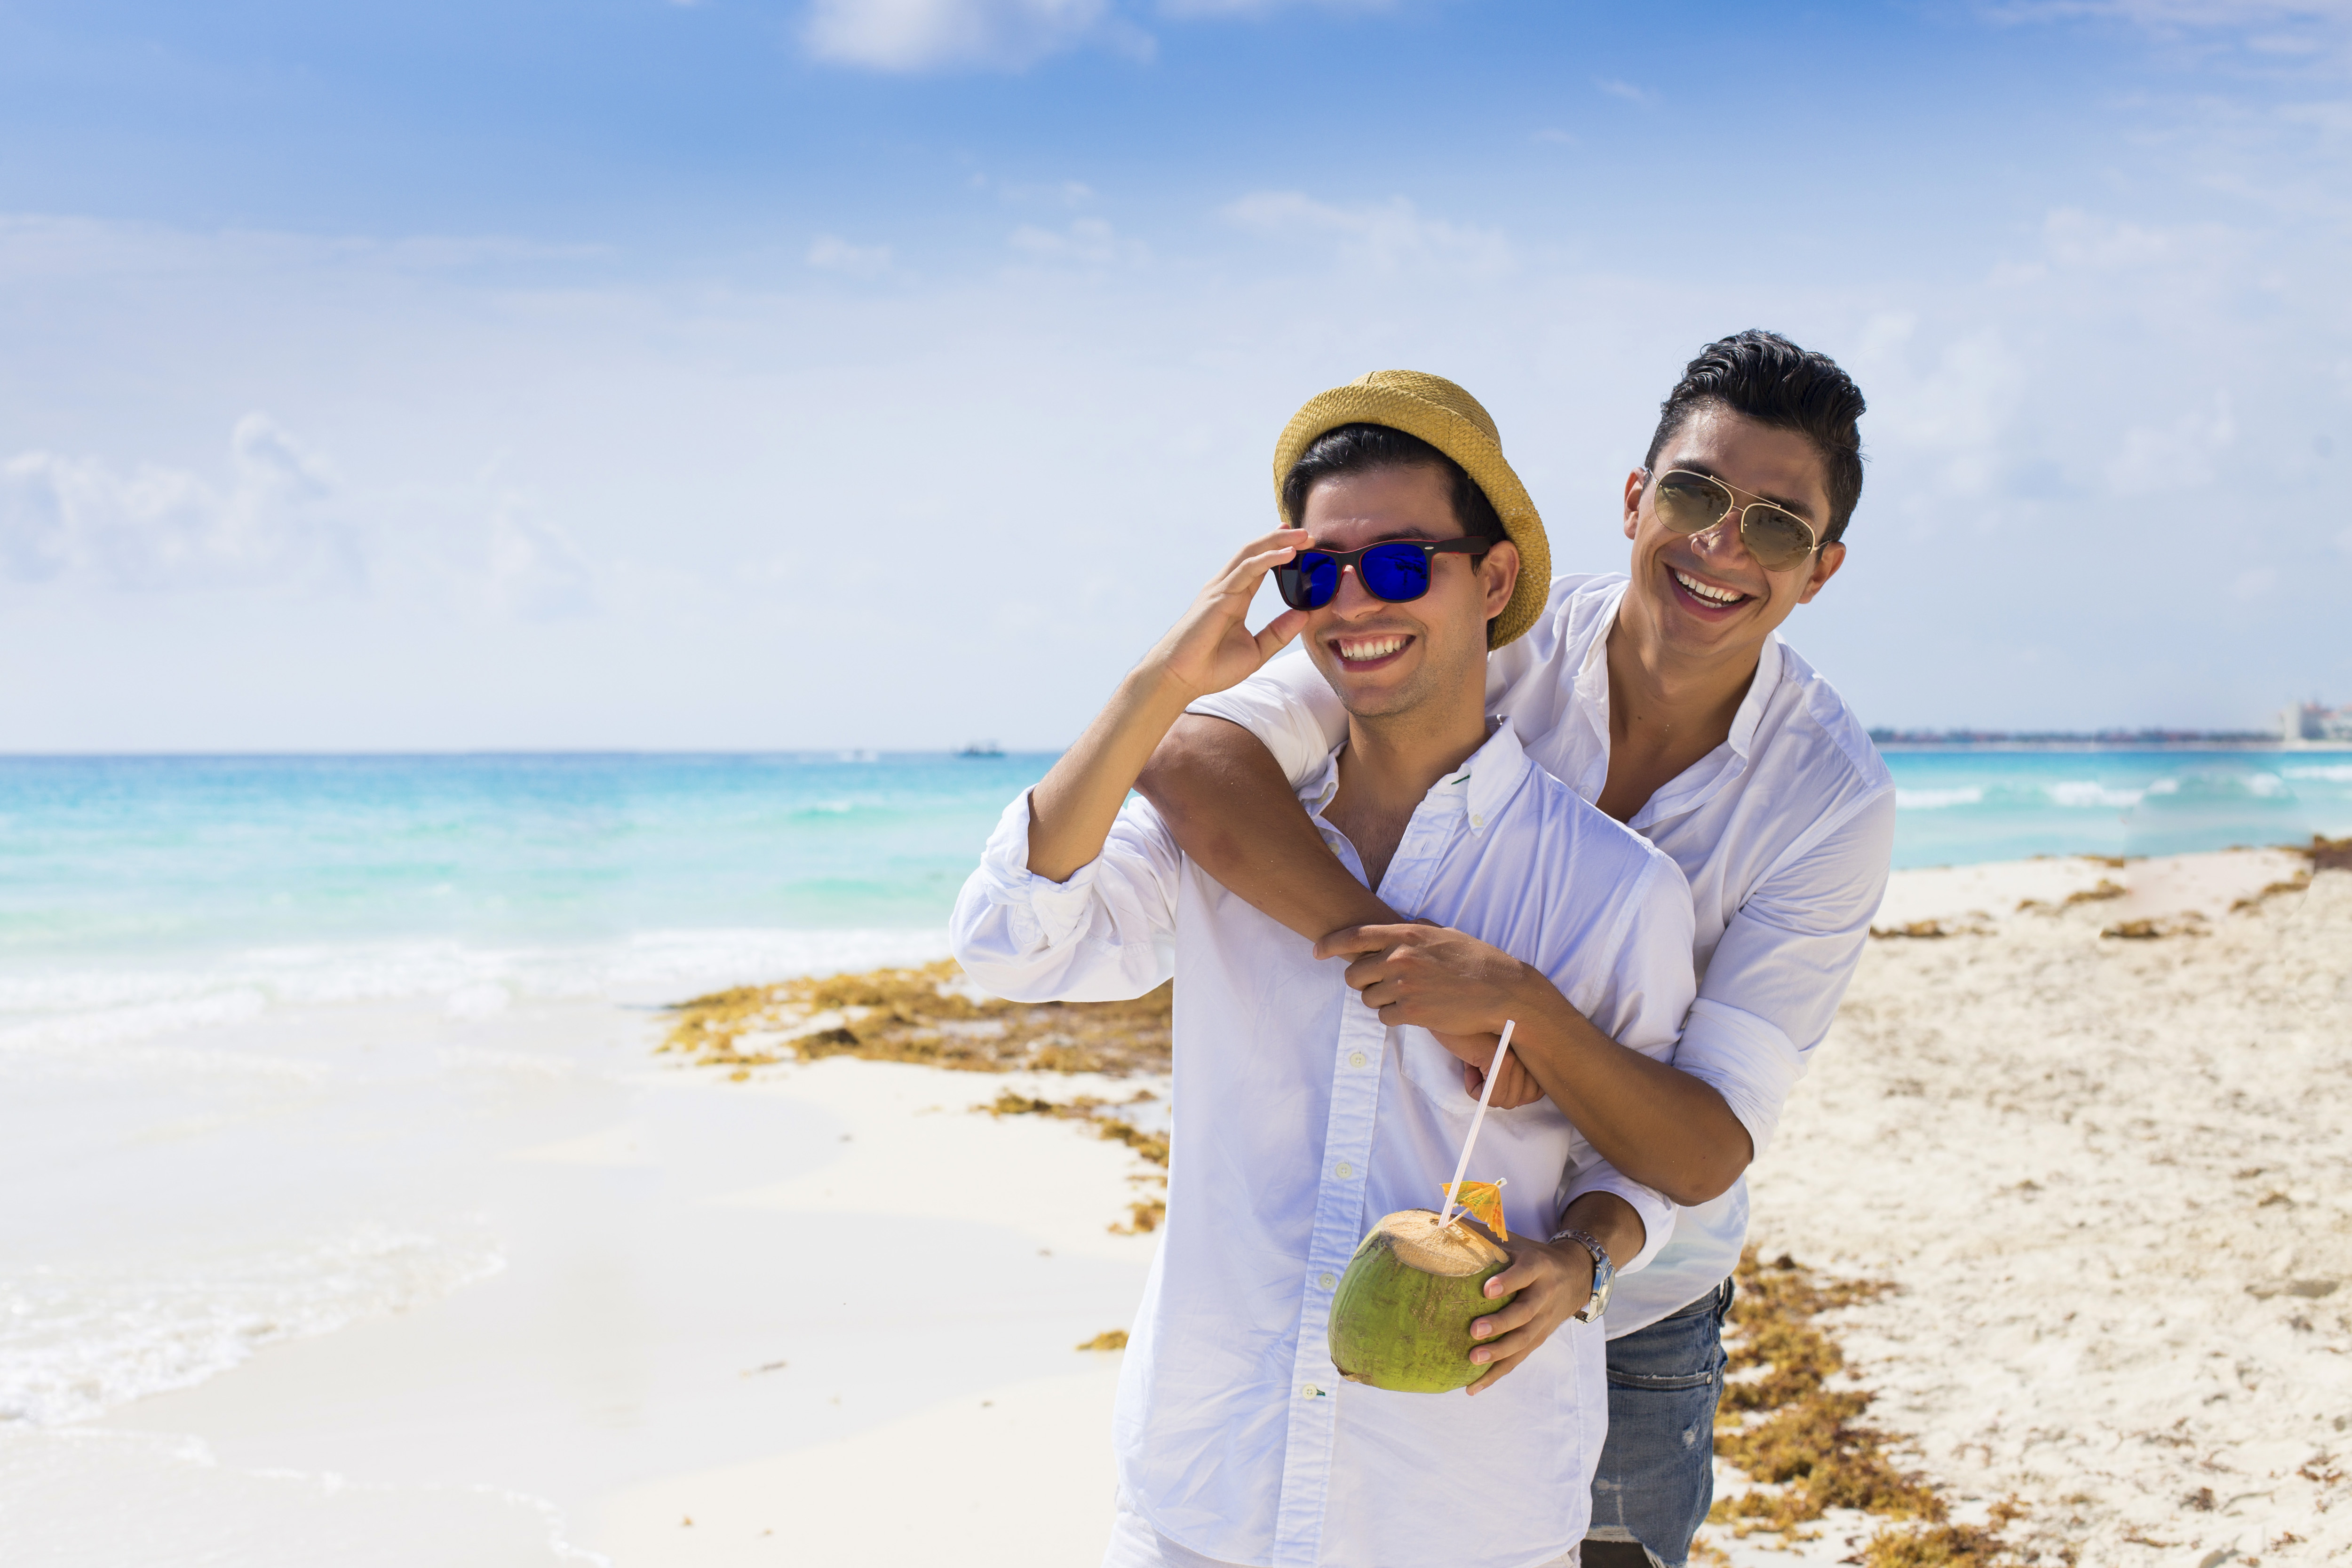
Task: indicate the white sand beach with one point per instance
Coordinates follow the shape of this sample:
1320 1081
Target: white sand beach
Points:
2109 1177
829 1315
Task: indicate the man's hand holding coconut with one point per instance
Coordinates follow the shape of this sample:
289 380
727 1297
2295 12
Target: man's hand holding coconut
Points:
1304 1124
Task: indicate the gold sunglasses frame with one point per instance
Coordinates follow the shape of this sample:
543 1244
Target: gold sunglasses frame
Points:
1811 533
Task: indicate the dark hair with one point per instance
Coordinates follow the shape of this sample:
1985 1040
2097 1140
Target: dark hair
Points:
1771 381
1361 448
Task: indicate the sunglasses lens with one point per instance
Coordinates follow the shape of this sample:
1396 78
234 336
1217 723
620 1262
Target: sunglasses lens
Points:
1686 503
1398 573
1776 538
1308 580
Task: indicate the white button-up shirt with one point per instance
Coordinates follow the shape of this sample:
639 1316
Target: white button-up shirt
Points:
1300 1120
1783 832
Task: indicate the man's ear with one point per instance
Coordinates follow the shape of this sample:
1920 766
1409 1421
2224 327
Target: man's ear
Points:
1635 483
1498 575
1826 561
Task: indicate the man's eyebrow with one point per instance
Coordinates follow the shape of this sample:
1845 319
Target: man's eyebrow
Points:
1786 505
1413 532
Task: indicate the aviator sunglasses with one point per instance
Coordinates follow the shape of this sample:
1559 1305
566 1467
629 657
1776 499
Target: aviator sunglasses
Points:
1396 572
1690 503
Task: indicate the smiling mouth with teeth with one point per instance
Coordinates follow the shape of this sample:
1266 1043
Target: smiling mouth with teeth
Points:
1706 595
1363 650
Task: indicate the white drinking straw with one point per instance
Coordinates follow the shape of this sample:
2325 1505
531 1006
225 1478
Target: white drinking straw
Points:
1455 1190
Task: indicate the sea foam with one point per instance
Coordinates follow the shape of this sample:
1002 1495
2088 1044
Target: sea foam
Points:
78 1341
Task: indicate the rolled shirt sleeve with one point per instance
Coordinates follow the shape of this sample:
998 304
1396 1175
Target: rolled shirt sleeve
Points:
1291 710
1657 1212
1775 979
1106 935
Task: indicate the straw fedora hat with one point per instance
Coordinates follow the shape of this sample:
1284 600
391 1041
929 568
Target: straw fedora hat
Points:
1449 419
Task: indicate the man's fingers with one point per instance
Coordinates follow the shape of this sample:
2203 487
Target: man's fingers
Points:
1499 1369
1518 1314
1360 939
1515 1086
1517 1276
1512 1346
1267 550
1278 632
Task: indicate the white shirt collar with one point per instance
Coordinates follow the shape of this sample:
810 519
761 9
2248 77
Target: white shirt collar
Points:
1593 679
1482 785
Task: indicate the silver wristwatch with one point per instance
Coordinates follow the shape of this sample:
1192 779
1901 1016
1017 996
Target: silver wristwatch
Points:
1604 1274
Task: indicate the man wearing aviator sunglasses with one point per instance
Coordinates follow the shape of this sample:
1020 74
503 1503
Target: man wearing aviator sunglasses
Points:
1664 696
1302 1118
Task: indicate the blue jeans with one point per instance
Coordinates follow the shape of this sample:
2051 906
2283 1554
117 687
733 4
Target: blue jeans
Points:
1657 1468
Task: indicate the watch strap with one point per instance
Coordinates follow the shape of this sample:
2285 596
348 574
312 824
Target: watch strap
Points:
1604 1273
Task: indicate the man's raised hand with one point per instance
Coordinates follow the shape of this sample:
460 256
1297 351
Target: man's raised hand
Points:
1212 646
1073 808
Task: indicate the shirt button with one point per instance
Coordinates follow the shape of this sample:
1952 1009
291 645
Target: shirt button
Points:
1355 1059
1312 1392
1326 1281
1346 1170
1477 822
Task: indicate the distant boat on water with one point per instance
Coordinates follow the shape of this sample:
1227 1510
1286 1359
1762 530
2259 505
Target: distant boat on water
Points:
981 749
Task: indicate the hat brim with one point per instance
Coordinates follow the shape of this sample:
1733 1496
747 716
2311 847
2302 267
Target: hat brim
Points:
1481 458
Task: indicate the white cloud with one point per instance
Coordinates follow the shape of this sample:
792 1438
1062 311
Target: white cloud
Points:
1954 417
1386 237
2184 451
831 253
1088 242
155 528
2076 238
917 35
1623 89
2170 14
949 35
536 571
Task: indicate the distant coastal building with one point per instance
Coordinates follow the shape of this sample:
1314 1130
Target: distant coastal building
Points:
2307 722
2125 737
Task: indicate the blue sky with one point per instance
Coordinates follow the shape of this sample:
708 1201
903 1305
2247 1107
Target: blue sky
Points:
886 371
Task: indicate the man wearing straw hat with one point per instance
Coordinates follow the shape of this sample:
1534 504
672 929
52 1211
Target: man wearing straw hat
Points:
1666 697
1301 1119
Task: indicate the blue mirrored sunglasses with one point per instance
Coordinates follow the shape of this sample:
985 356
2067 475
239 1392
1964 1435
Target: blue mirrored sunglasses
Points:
1397 572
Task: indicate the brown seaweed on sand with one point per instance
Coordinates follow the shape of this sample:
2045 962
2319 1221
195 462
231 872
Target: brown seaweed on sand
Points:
931 1016
1804 1440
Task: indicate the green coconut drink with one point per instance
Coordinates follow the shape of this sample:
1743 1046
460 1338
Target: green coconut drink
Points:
1400 1319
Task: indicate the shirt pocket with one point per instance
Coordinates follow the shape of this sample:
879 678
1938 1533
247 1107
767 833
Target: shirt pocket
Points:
1435 1071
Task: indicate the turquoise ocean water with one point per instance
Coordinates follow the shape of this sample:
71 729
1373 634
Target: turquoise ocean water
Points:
118 863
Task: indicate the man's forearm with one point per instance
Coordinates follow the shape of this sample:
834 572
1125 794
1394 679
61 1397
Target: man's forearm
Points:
1662 1127
1610 1220
1224 798
1071 809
